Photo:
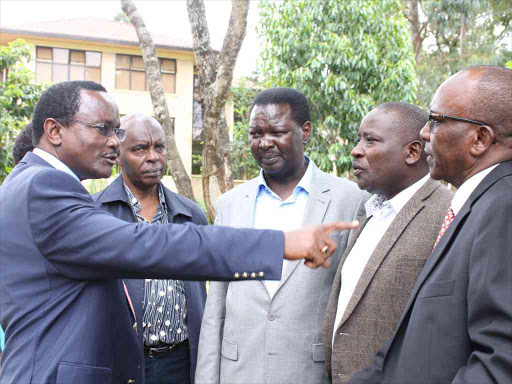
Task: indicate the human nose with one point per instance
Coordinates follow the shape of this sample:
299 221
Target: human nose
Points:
151 155
266 142
113 142
357 151
425 132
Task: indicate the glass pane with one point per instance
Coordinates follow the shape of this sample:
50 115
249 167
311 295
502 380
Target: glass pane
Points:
168 65
76 72
77 57
44 53
43 72
137 62
93 59
60 73
137 81
60 55
122 79
122 62
169 82
94 74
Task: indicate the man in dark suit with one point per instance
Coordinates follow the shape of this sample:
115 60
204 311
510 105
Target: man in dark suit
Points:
384 258
168 312
62 305
457 324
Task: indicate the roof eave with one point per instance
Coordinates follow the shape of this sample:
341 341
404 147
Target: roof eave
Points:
88 38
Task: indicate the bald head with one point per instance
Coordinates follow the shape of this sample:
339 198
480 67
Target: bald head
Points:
135 121
490 98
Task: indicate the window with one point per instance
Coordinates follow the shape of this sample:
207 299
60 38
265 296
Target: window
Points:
59 64
131 74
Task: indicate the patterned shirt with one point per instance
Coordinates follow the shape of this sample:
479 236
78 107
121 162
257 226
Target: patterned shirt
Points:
164 306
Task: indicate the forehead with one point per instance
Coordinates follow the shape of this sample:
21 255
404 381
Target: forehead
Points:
270 113
378 122
98 106
143 129
454 95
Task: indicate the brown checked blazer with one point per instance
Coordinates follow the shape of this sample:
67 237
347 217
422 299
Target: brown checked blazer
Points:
382 292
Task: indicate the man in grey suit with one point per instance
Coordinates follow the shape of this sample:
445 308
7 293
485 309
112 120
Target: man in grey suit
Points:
260 331
384 258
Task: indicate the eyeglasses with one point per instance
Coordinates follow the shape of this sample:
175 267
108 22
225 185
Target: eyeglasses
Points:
433 117
105 129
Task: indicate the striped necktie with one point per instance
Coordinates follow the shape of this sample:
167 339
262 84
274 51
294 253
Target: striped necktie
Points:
448 218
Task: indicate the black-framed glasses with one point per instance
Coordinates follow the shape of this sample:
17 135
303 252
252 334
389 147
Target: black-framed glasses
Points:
433 117
105 129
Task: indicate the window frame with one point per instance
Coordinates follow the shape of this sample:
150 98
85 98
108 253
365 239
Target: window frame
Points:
68 64
146 83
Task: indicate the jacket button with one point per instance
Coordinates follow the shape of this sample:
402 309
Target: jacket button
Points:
244 275
253 275
261 274
271 317
237 275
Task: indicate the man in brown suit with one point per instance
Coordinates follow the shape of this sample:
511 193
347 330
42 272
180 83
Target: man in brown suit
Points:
385 256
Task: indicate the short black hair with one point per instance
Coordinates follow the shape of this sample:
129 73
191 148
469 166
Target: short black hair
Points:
298 103
60 101
408 118
23 143
491 101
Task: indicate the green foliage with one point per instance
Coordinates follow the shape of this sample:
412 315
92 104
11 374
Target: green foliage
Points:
18 97
244 165
346 57
461 33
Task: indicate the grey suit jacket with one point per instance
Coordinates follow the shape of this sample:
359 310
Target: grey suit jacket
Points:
247 337
387 280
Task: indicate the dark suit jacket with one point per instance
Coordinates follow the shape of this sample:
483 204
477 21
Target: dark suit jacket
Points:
381 293
61 258
180 210
457 324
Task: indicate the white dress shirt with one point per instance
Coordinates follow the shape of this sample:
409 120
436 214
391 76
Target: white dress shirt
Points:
467 188
271 212
379 221
54 162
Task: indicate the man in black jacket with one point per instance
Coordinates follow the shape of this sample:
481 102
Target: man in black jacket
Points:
168 312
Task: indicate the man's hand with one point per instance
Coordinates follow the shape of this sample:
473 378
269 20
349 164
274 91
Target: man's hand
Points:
313 243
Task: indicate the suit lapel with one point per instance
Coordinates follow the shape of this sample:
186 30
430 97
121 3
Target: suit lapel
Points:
316 207
504 169
388 240
247 205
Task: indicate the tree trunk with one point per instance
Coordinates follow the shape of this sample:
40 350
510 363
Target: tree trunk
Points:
152 67
463 30
411 10
215 73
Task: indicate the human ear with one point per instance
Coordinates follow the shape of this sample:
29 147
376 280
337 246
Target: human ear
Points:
413 152
306 129
53 131
483 137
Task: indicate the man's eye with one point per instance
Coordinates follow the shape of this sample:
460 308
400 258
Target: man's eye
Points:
254 134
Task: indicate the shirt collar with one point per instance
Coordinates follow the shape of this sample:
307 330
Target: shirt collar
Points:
397 202
466 189
304 183
134 202
54 162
